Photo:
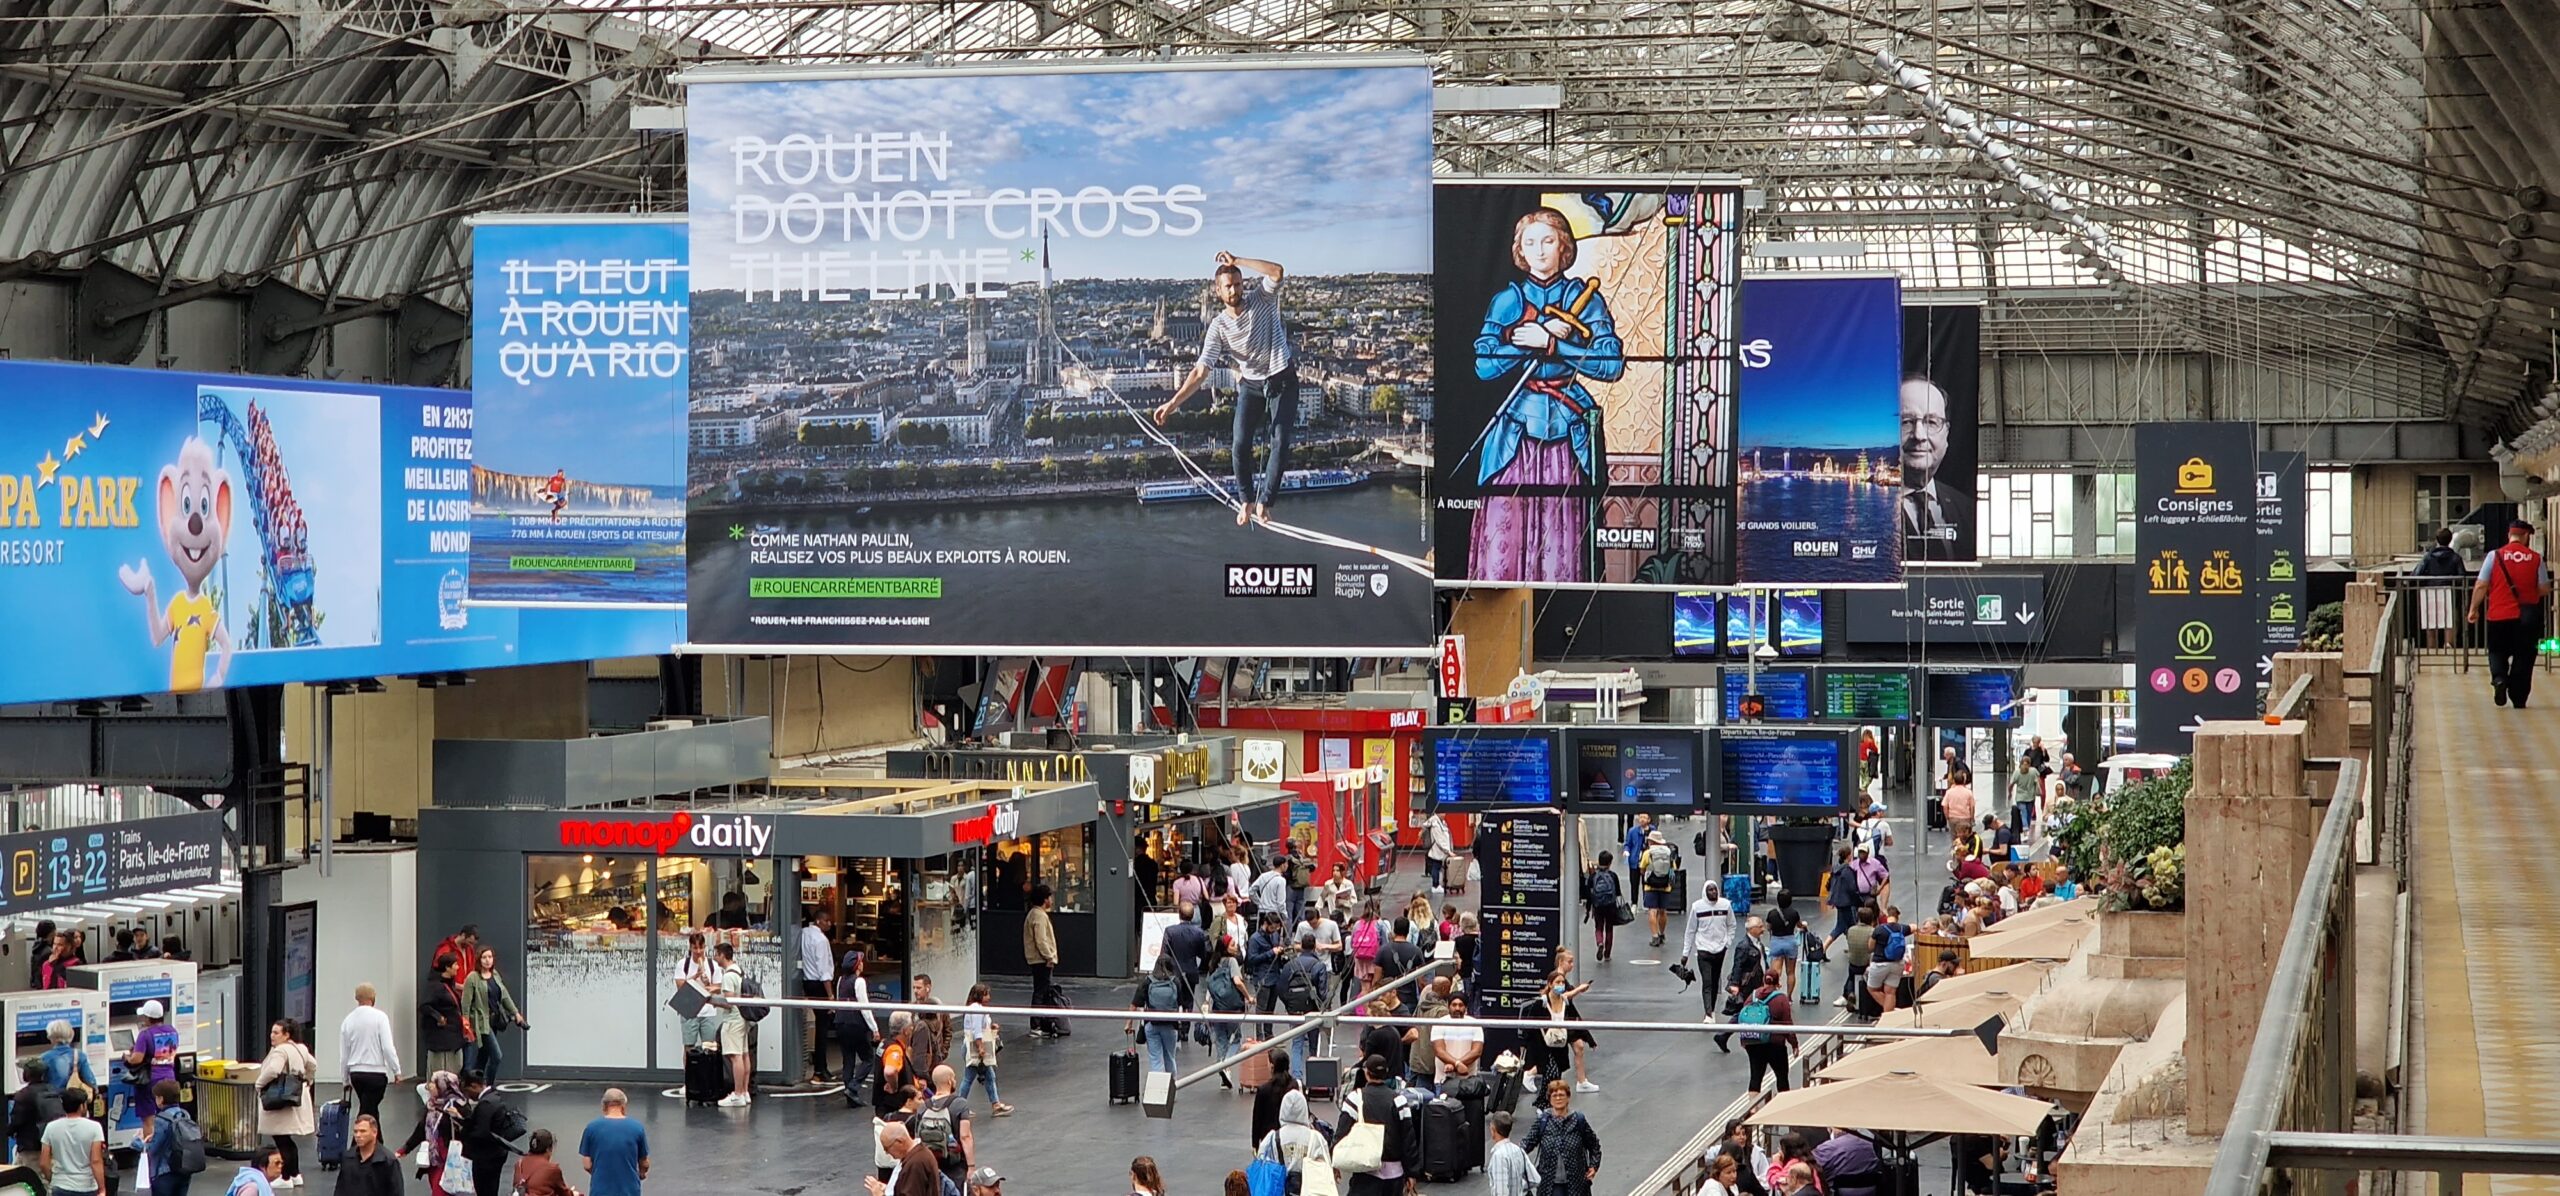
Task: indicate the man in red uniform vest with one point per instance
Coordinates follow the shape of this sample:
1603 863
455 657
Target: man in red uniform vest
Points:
2511 587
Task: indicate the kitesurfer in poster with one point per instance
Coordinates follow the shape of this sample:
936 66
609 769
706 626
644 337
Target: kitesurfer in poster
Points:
556 492
1546 331
1248 336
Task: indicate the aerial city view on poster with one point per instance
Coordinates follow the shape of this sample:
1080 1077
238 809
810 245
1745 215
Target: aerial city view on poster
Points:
1583 429
578 350
970 341
1820 475
1941 401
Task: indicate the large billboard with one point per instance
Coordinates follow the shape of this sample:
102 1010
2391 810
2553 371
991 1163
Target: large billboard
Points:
1584 432
1820 471
1941 421
578 347
2195 638
165 531
1111 357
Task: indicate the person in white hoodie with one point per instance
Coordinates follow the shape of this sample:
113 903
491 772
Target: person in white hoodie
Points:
1297 1143
1711 931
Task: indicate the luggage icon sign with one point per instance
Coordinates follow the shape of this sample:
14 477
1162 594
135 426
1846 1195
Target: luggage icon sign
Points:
2195 476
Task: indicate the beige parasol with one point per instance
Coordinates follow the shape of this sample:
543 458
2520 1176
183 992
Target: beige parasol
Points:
1906 1103
1954 1060
1964 1013
2083 906
2020 978
2054 940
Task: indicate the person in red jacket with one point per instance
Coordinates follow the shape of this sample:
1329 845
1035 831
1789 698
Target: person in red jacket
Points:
2513 582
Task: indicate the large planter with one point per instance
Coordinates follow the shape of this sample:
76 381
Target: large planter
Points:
1804 855
2140 945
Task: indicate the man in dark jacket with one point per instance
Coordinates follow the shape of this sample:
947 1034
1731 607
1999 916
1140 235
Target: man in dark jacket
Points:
31 1108
1743 967
1264 956
1187 945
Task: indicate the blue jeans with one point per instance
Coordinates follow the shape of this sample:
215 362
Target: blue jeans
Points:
170 1184
487 1054
1298 1057
1271 402
980 1073
1435 872
1160 1040
1225 1040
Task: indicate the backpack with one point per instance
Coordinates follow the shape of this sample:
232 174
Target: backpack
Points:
1364 939
1224 996
1657 862
1298 991
1604 888
186 1139
1895 942
749 986
933 1124
1163 996
1756 1014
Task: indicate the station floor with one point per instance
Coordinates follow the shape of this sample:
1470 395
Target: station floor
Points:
1657 1090
2485 846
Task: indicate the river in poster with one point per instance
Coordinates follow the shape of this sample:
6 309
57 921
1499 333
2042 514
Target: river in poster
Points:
989 359
1583 433
1820 472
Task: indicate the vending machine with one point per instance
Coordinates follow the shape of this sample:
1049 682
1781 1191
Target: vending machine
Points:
30 1016
126 988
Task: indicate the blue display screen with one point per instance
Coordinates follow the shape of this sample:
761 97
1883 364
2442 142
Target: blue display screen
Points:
1779 770
1746 622
1981 696
1656 768
1474 768
1693 623
1786 693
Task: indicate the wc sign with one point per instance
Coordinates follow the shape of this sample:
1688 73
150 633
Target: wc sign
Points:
994 824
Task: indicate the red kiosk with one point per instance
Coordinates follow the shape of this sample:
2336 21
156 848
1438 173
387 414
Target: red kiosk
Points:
1333 817
1331 738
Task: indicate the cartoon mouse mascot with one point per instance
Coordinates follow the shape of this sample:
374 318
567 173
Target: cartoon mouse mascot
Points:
195 523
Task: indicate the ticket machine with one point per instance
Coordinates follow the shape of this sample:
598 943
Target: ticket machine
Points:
126 988
30 1013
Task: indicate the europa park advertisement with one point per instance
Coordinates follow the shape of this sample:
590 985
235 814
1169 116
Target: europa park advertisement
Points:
977 351
171 532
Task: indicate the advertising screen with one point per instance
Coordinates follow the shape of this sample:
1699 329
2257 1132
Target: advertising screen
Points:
1693 623
968 339
1583 418
1787 694
1941 401
1479 768
1973 696
578 351
1866 694
1657 769
1746 622
1784 770
168 531
1820 469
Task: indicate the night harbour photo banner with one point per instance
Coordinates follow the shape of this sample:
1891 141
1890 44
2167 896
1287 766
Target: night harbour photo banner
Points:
578 348
1583 432
1115 357
1821 478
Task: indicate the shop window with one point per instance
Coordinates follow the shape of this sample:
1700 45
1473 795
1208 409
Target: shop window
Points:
1060 859
944 944
2442 498
875 916
732 901
586 969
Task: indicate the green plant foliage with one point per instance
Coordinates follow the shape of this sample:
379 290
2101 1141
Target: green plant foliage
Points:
2132 842
2326 629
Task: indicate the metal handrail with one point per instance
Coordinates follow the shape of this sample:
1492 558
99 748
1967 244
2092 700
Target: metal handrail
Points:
2283 1020
2413 1152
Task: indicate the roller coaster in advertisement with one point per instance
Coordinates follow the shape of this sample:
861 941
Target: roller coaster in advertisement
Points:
285 617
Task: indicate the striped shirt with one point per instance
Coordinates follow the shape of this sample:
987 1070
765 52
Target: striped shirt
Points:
1253 342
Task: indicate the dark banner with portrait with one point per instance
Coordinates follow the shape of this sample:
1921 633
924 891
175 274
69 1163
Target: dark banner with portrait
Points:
1584 416
1941 429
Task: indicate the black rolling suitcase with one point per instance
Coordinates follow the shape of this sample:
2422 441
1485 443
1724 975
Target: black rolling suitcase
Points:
1445 1141
1324 1076
706 1077
1507 1089
1124 1075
